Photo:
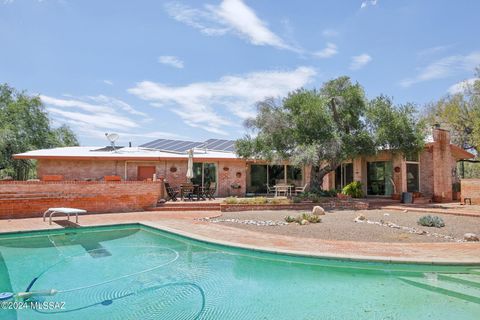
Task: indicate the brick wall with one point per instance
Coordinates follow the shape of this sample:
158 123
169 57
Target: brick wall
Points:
471 189
80 169
21 199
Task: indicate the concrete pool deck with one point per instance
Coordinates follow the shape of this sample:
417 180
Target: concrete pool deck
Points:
186 224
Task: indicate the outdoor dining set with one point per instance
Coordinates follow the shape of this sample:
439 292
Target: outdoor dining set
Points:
190 191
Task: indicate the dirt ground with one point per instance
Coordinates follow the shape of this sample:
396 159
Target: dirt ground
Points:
340 225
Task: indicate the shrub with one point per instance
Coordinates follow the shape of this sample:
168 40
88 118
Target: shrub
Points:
431 221
353 189
296 199
231 200
311 218
279 200
290 219
305 216
256 200
328 193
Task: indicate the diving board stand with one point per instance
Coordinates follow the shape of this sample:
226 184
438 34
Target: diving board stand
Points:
68 211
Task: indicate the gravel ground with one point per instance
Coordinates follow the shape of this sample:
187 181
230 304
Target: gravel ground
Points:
340 225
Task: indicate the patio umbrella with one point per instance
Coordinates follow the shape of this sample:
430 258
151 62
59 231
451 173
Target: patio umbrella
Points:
190 164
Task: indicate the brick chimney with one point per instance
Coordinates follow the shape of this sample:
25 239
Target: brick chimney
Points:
442 164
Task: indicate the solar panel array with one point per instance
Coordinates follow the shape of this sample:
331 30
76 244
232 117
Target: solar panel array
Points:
172 145
184 146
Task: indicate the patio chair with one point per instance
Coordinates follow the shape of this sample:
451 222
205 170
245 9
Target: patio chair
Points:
187 191
171 192
270 190
210 189
299 190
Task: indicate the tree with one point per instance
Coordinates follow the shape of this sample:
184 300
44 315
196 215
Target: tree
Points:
322 128
24 126
460 113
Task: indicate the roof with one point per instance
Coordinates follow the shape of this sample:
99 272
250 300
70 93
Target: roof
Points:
460 153
125 153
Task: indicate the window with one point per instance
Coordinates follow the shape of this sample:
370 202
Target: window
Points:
413 177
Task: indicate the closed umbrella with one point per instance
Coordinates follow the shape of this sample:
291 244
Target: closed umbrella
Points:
190 164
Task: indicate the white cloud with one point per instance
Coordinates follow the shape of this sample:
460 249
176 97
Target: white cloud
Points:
97 120
211 105
171 61
109 82
360 61
462 86
444 68
329 51
94 115
367 3
230 16
200 19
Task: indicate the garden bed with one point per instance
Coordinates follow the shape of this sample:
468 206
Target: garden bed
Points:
340 225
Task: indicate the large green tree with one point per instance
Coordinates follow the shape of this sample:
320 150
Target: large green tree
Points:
322 128
24 126
460 113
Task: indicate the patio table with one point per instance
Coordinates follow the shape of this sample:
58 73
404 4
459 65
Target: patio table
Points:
283 188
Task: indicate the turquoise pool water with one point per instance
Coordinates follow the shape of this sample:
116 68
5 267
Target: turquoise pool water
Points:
135 272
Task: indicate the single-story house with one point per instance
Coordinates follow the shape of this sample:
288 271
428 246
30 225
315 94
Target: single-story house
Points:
431 173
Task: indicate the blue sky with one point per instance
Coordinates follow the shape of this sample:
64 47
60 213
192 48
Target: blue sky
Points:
194 69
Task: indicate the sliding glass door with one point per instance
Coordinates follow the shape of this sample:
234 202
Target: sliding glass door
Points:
379 178
343 175
261 175
204 173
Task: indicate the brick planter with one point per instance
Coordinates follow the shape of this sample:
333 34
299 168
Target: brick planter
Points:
330 204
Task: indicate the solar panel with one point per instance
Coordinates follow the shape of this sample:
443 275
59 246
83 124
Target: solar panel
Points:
220 145
171 145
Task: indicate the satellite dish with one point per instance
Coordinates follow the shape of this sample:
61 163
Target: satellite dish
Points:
112 137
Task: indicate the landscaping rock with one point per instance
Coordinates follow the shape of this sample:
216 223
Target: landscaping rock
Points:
318 211
470 237
360 218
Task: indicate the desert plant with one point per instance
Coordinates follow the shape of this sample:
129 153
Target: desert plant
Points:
431 221
290 219
231 200
353 189
309 217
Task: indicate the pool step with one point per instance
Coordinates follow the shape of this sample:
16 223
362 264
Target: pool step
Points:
475 271
446 287
472 280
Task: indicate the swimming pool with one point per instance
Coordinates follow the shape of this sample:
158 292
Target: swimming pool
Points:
137 272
